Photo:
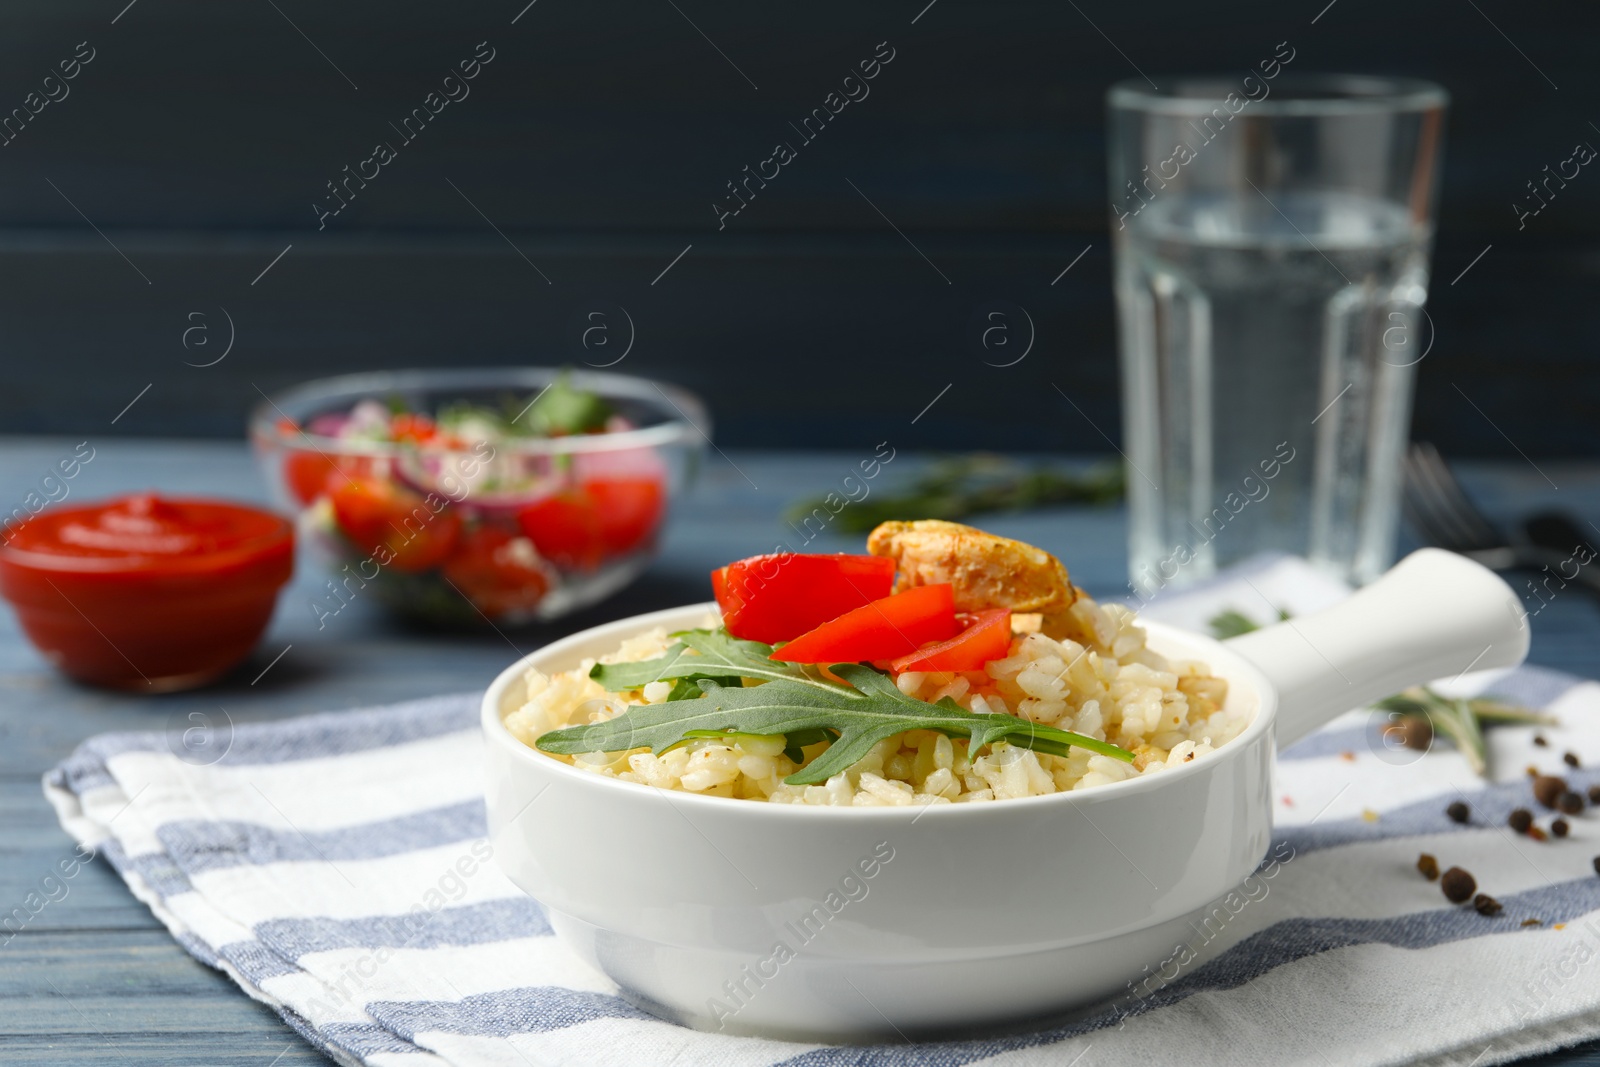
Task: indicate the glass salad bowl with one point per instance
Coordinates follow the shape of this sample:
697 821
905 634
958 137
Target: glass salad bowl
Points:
496 496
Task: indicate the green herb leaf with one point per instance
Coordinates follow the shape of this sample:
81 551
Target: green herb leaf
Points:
863 713
1413 701
715 655
796 741
1454 719
684 689
1231 623
1492 712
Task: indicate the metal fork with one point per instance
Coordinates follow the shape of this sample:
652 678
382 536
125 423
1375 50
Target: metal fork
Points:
1439 510
1442 514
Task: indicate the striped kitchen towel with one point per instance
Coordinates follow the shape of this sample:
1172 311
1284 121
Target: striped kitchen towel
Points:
335 867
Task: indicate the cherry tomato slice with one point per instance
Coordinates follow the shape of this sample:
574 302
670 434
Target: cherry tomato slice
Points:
987 637
497 571
596 519
306 474
310 475
884 629
388 521
629 510
778 597
565 528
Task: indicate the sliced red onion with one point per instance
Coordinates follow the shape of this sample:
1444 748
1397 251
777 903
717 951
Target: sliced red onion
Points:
329 424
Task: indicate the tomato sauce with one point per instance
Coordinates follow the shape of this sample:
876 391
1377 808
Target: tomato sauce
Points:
146 592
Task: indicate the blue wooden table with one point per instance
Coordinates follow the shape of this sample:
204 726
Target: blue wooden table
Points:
94 979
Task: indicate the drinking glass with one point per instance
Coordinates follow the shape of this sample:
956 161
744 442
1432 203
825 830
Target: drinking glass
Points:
1271 255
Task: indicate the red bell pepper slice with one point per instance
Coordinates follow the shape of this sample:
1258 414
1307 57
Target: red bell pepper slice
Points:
894 626
987 637
781 596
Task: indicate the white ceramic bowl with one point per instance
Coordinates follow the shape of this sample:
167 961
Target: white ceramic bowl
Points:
859 923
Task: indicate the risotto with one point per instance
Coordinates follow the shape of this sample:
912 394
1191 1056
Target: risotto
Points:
1075 666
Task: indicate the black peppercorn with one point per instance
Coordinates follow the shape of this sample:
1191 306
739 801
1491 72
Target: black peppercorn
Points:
1520 820
1460 812
1459 886
1547 789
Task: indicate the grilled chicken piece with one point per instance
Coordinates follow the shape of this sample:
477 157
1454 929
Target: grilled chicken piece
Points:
985 571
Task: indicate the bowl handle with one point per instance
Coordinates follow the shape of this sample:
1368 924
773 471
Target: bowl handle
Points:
1433 615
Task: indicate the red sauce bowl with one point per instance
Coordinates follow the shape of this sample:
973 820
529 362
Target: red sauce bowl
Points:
147 593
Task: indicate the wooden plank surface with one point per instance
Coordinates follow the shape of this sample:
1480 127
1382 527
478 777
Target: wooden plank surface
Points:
598 140
795 340
94 979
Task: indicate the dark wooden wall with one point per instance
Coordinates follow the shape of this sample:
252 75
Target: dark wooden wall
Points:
597 140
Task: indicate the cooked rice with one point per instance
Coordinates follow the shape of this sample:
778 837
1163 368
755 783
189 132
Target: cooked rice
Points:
1105 684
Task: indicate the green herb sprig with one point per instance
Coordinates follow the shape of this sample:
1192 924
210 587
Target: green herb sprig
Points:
792 702
1460 719
971 485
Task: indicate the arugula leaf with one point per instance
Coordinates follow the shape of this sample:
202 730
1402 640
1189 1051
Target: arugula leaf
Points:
679 663
717 656
713 655
795 742
863 713
683 689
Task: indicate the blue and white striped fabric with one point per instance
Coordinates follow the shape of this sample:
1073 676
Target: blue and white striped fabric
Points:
335 868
